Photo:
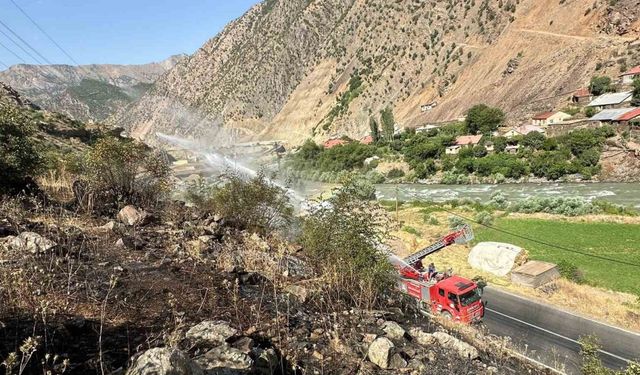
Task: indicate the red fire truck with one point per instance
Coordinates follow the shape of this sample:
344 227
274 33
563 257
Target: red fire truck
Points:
452 297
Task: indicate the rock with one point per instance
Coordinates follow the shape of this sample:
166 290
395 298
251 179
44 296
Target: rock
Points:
267 361
125 243
244 344
225 360
299 291
294 267
30 242
421 337
369 338
417 364
164 361
317 355
110 226
211 332
393 330
463 349
380 352
397 361
131 216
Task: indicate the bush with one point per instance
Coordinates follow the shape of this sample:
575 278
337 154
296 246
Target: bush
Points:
568 206
411 230
395 173
571 272
600 85
19 157
116 172
455 221
484 218
430 219
343 242
256 205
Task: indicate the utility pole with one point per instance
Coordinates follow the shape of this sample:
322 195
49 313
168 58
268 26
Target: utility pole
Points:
397 212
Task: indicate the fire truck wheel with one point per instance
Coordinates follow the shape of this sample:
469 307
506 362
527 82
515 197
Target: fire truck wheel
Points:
445 314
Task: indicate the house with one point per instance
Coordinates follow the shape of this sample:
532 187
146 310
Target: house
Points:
428 107
548 118
612 100
582 96
331 143
468 140
452 150
627 77
512 149
367 140
524 130
616 116
490 147
426 128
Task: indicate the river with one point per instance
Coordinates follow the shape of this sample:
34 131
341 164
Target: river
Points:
625 194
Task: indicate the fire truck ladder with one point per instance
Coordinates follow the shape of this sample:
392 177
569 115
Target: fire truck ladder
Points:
463 234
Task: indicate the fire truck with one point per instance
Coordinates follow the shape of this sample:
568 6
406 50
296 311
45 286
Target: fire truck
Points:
452 297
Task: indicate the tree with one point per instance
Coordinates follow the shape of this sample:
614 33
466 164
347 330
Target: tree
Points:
534 140
19 158
636 92
375 130
483 119
600 85
388 123
499 144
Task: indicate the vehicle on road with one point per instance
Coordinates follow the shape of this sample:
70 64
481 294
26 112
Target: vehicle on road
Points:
450 296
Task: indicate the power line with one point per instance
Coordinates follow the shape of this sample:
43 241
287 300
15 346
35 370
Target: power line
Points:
25 43
45 33
19 46
12 52
3 64
559 247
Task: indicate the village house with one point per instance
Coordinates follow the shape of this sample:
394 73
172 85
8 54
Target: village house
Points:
548 118
452 150
468 140
523 130
627 77
616 116
612 100
512 149
331 143
367 140
582 96
425 128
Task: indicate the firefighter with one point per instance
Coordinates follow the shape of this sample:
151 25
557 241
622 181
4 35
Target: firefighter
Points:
432 271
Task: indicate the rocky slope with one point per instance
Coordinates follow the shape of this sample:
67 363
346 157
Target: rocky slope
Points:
88 92
290 69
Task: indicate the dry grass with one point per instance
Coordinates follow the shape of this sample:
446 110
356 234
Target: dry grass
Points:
57 184
621 309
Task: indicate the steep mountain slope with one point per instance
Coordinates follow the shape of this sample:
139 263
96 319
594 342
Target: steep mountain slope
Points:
88 92
290 69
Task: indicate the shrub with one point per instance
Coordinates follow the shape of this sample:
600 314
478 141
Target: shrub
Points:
343 242
19 157
484 218
570 271
455 221
395 173
117 172
568 206
256 205
411 230
499 199
600 85
430 219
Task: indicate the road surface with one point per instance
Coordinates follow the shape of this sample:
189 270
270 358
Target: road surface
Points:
550 335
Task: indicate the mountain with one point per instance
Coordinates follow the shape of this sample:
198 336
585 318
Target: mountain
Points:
87 92
291 69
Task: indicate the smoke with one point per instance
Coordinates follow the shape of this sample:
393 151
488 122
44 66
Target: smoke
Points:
219 162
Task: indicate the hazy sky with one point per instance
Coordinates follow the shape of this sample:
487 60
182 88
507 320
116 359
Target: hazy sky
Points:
114 31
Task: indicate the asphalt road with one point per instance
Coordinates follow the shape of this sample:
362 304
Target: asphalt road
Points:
550 335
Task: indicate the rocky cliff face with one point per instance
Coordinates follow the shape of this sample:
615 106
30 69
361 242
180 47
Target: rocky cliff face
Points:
88 92
291 69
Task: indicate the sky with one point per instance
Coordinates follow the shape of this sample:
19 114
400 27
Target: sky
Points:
114 31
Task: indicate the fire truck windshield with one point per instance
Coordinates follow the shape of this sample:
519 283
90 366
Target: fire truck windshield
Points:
469 297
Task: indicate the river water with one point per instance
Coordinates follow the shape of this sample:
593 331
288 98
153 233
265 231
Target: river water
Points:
625 194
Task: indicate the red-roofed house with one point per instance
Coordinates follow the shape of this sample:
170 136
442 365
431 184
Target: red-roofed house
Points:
627 77
367 140
468 140
633 115
331 143
547 118
582 96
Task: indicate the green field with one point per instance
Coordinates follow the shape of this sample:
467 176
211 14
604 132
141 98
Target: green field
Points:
610 240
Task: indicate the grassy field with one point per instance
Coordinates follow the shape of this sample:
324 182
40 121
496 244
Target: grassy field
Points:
610 240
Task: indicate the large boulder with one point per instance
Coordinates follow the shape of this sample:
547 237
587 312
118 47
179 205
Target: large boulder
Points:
211 332
422 338
29 242
380 351
131 216
164 361
463 349
225 360
393 330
